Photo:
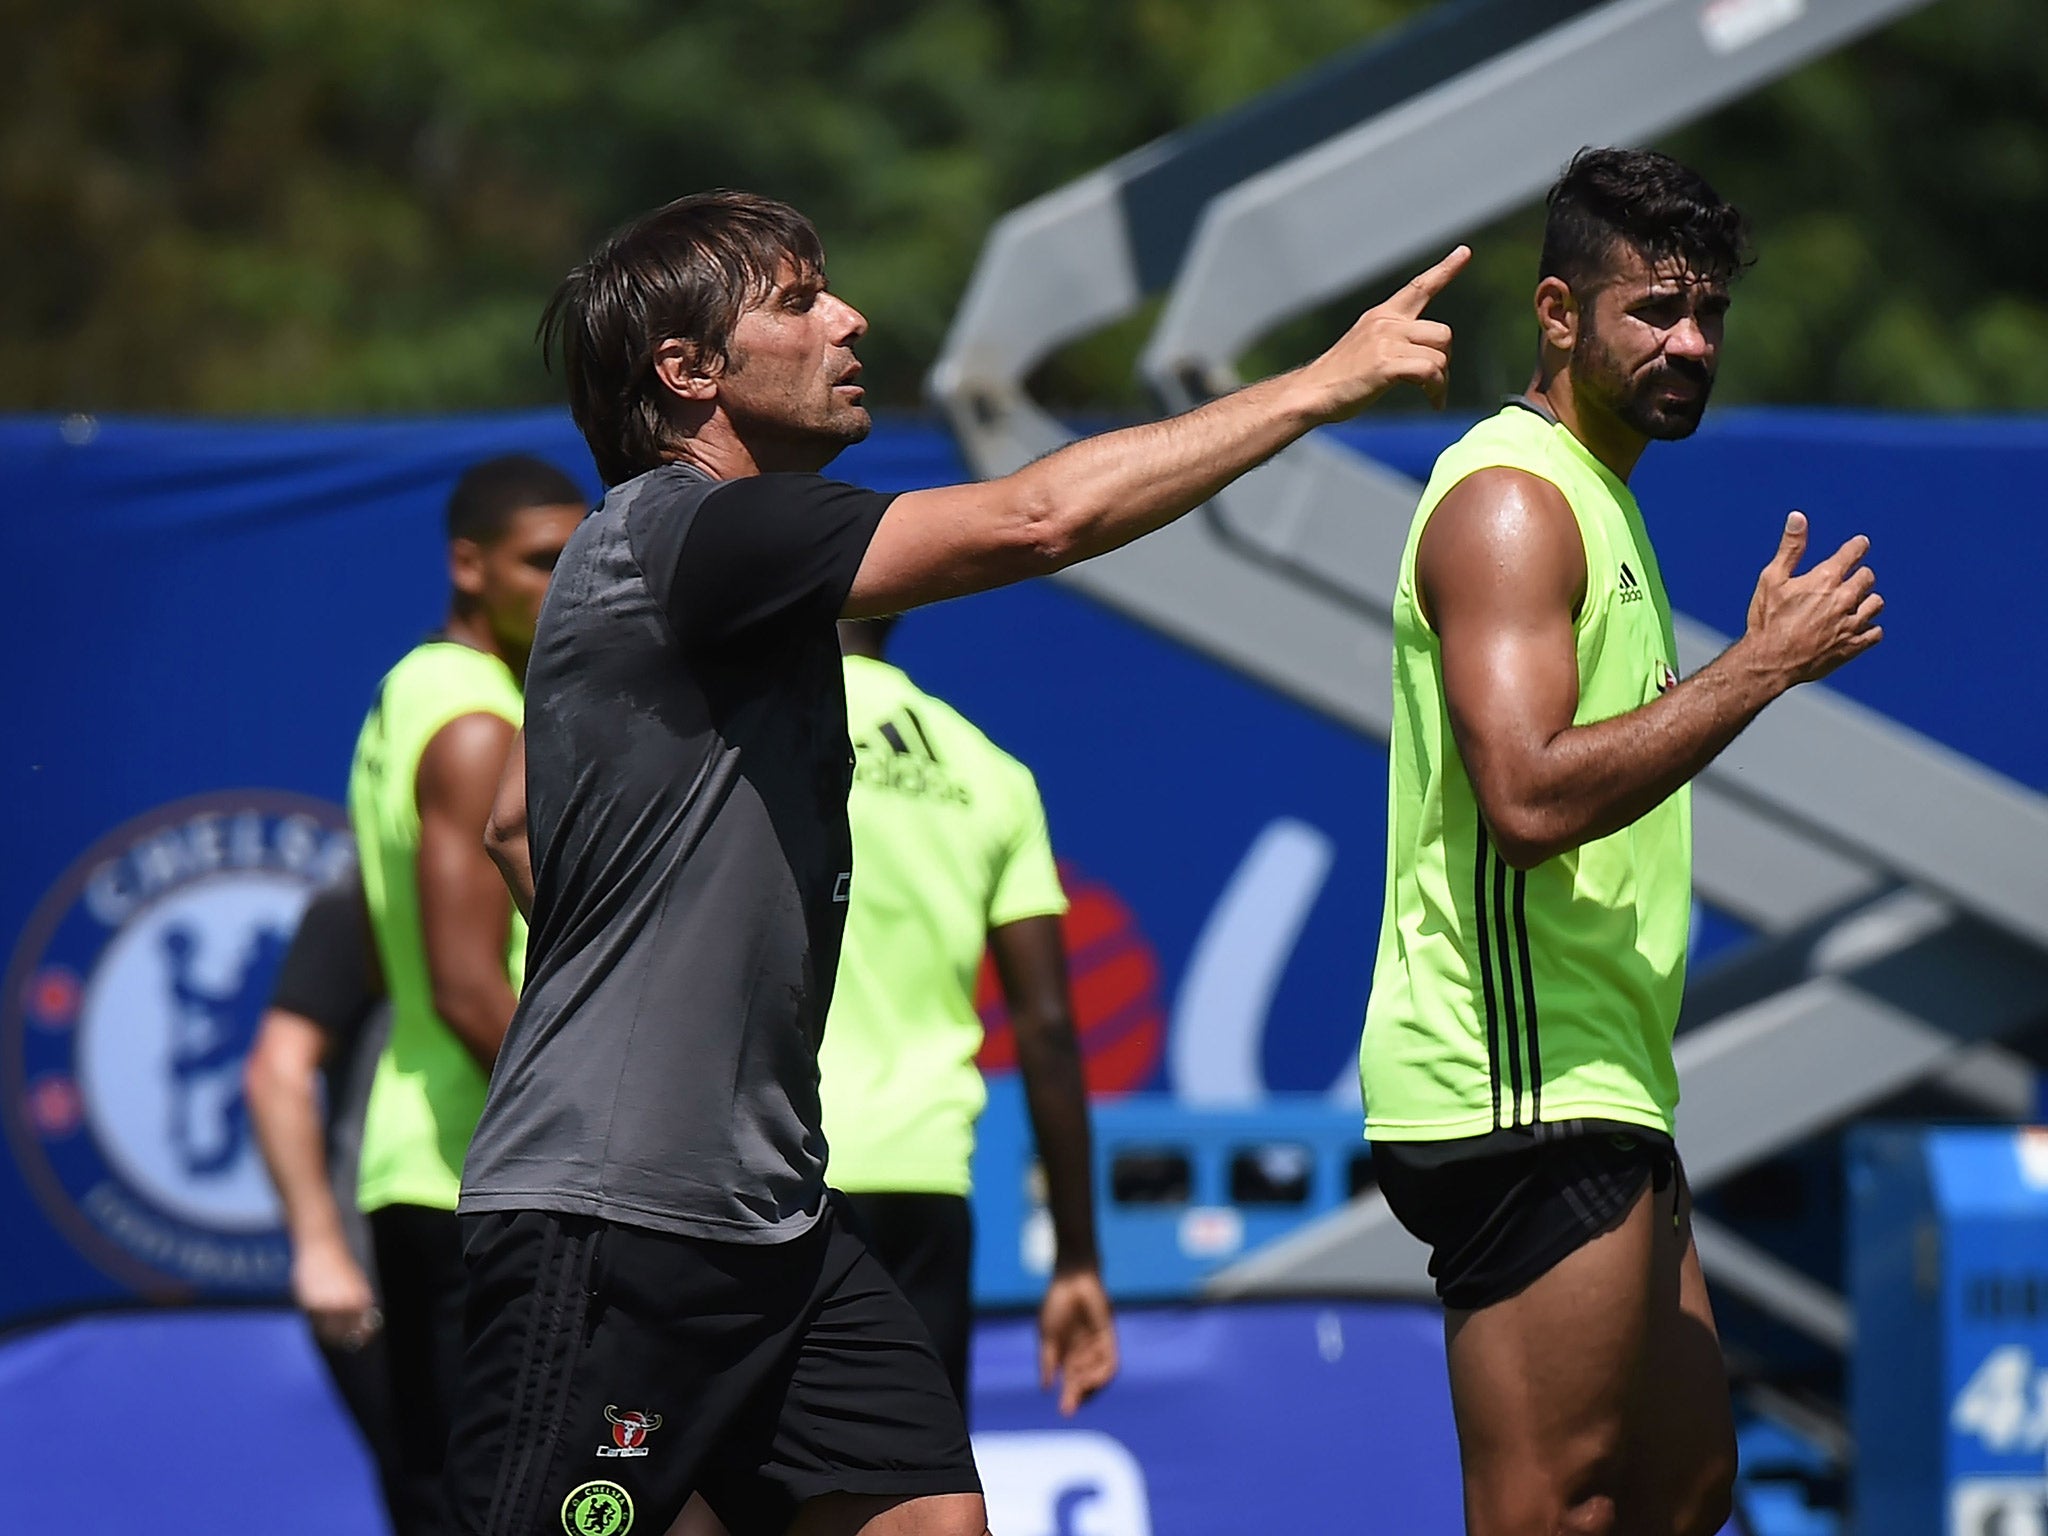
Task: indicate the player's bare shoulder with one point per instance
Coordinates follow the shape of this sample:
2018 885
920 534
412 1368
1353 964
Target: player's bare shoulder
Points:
1500 534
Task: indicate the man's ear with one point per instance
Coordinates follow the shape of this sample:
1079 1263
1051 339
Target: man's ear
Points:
466 567
681 367
1557 314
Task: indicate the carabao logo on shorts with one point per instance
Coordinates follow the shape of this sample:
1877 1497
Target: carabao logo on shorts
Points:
1061 1482
125 1018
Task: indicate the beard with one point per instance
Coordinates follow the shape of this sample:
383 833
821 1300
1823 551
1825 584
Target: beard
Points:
1663 403
836 428
800 426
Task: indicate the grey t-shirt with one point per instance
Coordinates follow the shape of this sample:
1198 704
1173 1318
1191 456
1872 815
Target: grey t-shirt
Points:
686 774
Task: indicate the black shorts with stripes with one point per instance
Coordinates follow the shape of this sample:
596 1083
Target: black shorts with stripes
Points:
611 1371
1499 1211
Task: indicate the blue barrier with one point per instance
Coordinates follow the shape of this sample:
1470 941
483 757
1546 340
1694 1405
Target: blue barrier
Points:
178 1424
1948 1260
1295 1416
1282 1418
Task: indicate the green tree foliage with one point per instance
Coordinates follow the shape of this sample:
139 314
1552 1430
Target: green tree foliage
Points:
255 206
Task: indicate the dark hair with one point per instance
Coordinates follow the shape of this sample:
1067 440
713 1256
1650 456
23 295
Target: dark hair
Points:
685 271
1643 200
489 493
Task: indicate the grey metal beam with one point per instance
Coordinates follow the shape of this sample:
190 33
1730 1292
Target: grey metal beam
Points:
1051 271
2000 1082
1086 254
1385 191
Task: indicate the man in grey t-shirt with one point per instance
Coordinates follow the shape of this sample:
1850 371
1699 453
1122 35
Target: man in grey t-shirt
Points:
665 1298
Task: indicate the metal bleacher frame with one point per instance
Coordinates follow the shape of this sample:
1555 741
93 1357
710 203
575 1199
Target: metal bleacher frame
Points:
1881 867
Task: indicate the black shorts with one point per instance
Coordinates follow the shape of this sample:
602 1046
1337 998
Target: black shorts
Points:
1501 1211
926 1242
421 1284
612 1371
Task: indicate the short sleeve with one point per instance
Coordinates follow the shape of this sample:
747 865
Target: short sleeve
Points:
329 974
765 550
1028 884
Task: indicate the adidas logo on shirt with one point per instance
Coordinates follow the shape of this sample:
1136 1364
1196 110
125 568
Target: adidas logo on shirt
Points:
903 761
1631 589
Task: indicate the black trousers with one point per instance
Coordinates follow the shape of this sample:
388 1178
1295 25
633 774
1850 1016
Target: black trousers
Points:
926 1243
423 1281
362 1379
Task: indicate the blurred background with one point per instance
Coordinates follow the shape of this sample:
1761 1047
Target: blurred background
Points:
272 273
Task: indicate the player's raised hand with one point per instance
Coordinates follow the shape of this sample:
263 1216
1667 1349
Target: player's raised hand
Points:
1805 626
1390 344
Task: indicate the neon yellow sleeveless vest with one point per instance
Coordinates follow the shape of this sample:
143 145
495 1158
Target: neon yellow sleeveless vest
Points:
428 1090
1505 998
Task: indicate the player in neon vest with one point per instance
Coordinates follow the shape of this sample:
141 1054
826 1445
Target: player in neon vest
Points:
451 946
1516 1059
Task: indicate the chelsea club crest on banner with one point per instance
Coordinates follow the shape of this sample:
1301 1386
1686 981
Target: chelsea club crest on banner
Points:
125 1019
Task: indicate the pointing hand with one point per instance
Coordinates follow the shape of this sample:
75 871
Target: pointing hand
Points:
1390 344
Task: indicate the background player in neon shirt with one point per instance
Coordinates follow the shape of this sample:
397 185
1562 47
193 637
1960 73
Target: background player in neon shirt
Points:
451 947
954 859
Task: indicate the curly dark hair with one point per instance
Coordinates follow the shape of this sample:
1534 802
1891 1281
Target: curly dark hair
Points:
1647 202
685 272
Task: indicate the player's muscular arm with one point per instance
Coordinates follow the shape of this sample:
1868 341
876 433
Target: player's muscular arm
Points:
465 910
505 832
1094 496
1077 1338
1502 572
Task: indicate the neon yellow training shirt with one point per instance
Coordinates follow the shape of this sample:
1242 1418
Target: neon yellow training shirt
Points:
1505 998
949 841
428 1090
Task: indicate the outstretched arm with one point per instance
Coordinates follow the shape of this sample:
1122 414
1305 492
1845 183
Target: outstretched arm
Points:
505 831
1097 495
282 1082
1076 1333
465 913
1501 573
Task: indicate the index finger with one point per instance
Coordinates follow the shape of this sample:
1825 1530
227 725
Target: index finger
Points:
1415 294
1846 559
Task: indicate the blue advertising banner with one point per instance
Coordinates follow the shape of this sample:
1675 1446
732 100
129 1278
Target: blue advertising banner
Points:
200 615
1284 1418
